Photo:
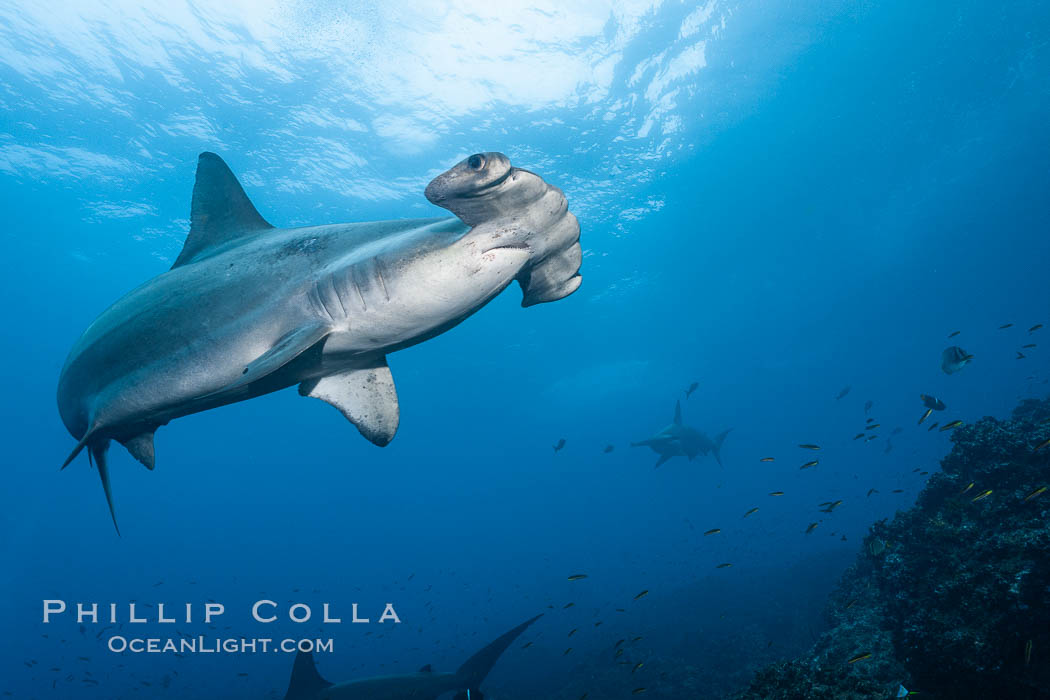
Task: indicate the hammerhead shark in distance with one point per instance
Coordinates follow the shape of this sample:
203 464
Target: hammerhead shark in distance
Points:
678 440
424 684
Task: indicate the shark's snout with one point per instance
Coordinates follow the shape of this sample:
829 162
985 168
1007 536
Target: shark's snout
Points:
470 179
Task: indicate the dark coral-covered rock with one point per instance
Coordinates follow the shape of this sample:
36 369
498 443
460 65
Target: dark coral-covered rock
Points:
951 597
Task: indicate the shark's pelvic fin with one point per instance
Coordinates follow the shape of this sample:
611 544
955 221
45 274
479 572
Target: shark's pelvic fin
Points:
678 412
97 455
306 682
291 346
474 670
365 395
220 212
141 448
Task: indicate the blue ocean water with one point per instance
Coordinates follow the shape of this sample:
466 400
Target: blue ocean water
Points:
778 200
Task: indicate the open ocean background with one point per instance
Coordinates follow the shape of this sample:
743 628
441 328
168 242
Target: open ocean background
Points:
778 200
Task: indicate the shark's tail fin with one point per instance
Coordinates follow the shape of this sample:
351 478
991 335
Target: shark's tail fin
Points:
473 672
98 452
306 682
97 449
719 439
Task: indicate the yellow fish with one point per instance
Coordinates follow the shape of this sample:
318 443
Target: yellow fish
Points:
981 496
1035 493
860 657
811 528
776 493
807 465
723 566
949 426
750 512
808 446
642 594
925 415
577 577
766 459
713 531
1041 445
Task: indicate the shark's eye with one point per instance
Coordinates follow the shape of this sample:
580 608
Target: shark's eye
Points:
476 161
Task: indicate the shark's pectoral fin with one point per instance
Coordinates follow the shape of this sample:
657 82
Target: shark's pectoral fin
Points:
365 395
283 351
556 277
141 448
663 458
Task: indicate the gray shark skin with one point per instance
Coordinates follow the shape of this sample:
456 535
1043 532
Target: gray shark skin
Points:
248 309
307 684
679 440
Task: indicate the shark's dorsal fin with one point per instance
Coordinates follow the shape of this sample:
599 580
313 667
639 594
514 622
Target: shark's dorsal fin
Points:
677 412
220 212
426 669
306 682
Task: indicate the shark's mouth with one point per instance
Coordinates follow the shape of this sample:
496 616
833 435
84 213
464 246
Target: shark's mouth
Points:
485 189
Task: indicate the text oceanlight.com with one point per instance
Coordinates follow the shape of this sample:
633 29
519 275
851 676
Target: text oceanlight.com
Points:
205 645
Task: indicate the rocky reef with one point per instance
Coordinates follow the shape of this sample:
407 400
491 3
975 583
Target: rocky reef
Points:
951 598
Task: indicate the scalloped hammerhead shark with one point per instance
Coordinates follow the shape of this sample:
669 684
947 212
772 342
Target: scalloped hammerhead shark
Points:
679 440
248 309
